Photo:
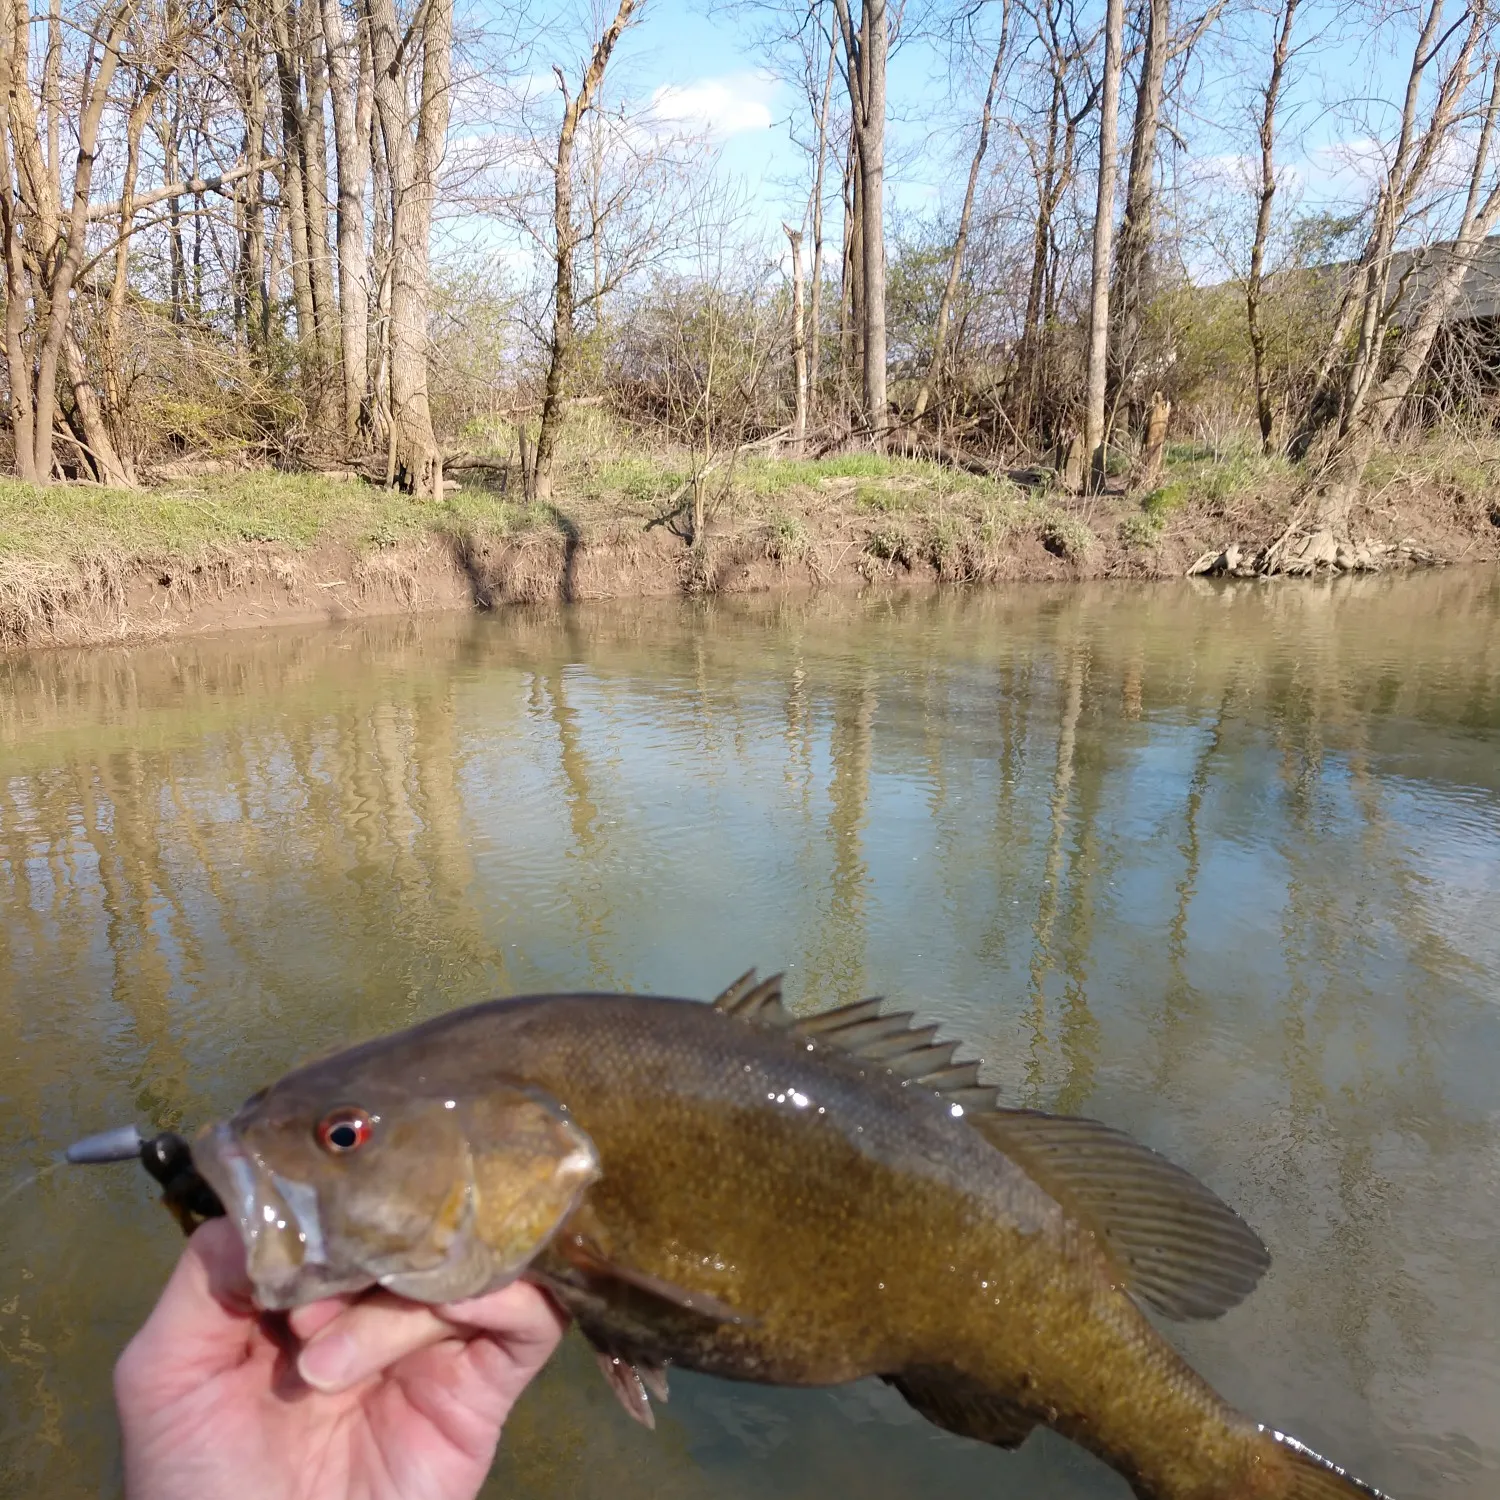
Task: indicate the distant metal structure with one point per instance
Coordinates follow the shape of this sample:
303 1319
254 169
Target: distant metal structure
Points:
1412 273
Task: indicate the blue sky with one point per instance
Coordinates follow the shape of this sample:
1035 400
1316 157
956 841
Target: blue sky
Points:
700 66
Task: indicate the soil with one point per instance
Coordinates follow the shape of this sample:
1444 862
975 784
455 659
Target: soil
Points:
101 601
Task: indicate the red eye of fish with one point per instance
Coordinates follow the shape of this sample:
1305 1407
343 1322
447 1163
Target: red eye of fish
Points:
344 1130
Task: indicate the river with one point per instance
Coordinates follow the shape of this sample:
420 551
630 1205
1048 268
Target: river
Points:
1220 865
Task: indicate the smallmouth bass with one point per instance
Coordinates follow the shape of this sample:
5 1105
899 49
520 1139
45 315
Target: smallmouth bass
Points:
796 1201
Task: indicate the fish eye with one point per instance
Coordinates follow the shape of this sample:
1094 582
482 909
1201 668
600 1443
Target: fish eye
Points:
344 1129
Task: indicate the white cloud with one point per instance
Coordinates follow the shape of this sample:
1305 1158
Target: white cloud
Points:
724 106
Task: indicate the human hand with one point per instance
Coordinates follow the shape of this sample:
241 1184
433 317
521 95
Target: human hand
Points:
370 1398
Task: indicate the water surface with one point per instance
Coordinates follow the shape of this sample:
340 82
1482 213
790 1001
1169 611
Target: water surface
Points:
1219 865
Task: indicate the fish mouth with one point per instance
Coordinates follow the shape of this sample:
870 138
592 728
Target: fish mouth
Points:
286 1254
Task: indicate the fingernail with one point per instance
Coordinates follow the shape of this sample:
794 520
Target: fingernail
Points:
327 1364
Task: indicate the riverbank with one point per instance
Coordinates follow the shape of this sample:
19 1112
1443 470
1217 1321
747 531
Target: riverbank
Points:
83 565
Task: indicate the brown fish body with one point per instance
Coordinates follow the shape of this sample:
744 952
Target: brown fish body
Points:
772 1207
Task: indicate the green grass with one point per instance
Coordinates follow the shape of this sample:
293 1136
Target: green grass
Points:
294 511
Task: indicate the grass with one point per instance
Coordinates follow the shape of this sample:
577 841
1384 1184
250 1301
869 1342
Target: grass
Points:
224 512
897 511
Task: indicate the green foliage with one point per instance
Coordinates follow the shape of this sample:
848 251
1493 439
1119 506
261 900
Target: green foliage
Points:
1067 536
786 537
881 498
1142 530
225 512
1160 503
890 545
1203 473
640 481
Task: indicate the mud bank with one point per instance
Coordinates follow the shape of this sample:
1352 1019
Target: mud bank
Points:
116 597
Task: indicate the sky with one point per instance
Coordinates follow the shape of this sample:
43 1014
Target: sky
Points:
698 66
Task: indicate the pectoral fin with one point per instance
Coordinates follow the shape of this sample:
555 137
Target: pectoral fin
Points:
585 1258
957 1405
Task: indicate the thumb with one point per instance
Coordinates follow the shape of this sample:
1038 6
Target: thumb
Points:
202 1324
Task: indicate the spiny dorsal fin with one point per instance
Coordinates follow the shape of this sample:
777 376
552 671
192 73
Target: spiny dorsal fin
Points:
754 1002
1177 1245
890 1039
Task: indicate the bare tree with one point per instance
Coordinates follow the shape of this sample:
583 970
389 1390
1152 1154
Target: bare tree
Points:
1052 152
44 247
965 221
353 97
799 345
1094 432
414 62
565 246
865 53
1133 272
1365 389
1255 281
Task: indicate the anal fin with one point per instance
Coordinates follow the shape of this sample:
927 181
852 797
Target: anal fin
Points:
961 1406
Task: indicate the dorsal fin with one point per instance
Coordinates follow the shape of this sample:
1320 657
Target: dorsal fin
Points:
862 1030
1174 1243
1177 1245
755 1002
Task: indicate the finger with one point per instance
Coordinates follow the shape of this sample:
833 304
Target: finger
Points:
521 1316
202 1323
313 1317
467 1389
366 1338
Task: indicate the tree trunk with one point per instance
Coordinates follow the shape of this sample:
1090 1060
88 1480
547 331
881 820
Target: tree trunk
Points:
171 140
315 186
815 309
413 163
1094 434
1344 383
1338 484
380 271
961 240
1148 475
565 243
352 104
874 42
1133 252
293 193
66 257
851 280
799 345
1256 281
13 39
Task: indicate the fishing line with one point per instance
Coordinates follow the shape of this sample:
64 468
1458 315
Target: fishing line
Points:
30 1181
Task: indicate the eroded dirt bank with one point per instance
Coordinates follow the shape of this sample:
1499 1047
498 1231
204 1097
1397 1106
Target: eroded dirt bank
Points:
107 599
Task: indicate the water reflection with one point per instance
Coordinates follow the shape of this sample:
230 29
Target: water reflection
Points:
1221 865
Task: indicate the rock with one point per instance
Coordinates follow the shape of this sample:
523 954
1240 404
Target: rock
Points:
1231 558
1343 558
1205 564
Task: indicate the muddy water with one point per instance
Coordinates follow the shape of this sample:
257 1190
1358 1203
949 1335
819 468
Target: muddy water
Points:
1220 866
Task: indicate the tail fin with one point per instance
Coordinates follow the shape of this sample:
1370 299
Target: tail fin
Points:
1315 1478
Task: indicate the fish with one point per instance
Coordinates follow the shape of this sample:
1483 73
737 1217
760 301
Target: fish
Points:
795 1200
